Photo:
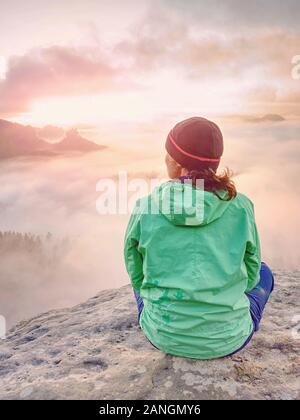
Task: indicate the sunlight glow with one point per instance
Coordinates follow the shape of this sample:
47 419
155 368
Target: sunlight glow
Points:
141 105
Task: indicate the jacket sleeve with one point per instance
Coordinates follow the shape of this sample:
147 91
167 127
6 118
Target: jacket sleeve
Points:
133 258
252 256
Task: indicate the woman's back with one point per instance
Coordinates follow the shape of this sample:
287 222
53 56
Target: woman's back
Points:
192 252
192 256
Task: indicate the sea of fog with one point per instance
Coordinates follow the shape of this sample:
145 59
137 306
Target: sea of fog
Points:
58 196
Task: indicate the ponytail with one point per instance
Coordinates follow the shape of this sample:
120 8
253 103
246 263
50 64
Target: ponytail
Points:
214 183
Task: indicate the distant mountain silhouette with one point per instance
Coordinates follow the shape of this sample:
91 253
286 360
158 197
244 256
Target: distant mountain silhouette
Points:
51 133
19 140
74 142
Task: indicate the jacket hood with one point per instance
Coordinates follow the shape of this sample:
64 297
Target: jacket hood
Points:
184 205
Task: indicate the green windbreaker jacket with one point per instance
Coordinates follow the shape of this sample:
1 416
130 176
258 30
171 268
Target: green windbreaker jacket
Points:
192 257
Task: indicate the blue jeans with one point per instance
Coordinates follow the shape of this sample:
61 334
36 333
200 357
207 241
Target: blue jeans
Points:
258 298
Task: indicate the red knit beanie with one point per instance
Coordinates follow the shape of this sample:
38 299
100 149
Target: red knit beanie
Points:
196 144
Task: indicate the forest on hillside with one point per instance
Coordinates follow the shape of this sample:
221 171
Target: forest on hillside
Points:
42 250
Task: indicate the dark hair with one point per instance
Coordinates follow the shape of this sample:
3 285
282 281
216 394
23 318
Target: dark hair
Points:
214 182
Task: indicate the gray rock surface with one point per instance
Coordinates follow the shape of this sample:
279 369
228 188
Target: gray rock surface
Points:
96 351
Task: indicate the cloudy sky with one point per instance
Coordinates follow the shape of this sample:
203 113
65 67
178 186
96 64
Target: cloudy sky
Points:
98 61
124 72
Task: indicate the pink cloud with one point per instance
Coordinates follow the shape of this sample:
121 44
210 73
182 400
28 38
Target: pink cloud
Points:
54 71
160 41
157 42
